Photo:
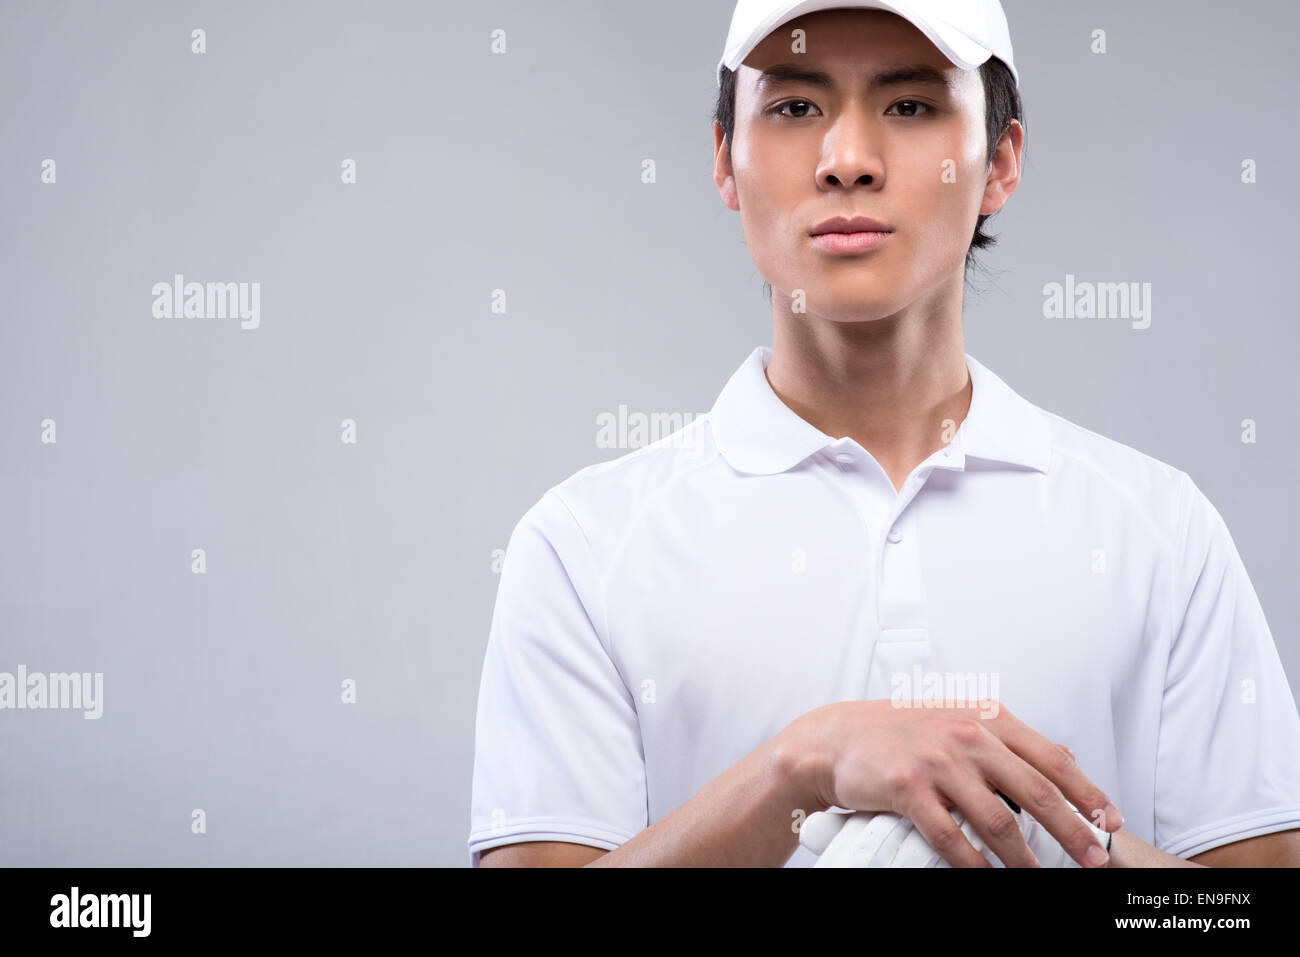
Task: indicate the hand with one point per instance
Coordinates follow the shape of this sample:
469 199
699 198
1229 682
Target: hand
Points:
919 762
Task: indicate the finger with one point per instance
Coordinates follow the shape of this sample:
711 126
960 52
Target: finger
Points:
1046 847
1056 762
992 819
1010 803
973 836
1039 797
934 822
1100 817
914 851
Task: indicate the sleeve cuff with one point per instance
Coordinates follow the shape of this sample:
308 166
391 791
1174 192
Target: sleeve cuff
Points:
549 829
1252 824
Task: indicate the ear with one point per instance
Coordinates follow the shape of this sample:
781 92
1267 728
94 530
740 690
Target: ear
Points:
723 176
1004 172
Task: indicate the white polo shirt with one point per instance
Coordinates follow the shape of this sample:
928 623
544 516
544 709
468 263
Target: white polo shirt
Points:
661 615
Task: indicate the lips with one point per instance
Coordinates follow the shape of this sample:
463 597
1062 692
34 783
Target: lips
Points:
858 224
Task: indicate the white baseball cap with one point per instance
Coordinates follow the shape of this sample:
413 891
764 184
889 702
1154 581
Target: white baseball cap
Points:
968 32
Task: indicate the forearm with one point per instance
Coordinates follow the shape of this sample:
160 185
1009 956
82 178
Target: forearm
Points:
745 817
1129 850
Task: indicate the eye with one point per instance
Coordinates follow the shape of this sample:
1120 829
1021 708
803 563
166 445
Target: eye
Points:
780 107
927 107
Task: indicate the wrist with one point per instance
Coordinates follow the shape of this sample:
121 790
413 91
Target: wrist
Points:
800 763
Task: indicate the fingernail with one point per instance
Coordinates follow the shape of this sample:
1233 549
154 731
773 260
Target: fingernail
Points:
1113 817
1096 856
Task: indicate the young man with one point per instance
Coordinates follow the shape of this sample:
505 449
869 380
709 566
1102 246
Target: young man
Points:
698 644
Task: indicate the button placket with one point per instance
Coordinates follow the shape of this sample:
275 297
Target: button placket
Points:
903 640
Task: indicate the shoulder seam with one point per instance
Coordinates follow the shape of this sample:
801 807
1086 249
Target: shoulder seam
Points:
1180 538
602 578
1166 539
644 506
1098 435
1184 527
1180 544
602 629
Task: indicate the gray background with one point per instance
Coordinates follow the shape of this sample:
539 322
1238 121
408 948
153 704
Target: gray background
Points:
476 172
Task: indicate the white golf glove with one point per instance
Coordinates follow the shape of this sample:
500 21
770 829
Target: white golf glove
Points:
881 839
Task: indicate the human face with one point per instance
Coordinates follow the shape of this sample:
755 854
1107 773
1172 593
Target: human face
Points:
910 154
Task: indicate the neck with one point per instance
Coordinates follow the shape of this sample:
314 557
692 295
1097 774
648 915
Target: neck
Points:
896 384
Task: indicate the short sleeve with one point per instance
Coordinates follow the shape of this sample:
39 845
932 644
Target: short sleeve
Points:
1228 752
557 743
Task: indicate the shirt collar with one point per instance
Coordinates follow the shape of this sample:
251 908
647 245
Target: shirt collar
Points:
759 434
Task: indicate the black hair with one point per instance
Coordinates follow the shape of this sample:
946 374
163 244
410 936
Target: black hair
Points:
1002 104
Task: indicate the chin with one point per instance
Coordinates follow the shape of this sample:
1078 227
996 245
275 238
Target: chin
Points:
844 299
850 316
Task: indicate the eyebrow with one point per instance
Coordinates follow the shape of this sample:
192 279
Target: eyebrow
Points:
919 73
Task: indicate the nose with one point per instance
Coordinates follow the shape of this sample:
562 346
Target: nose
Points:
850 153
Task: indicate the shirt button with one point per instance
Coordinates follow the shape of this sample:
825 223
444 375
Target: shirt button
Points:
844 458
895 535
